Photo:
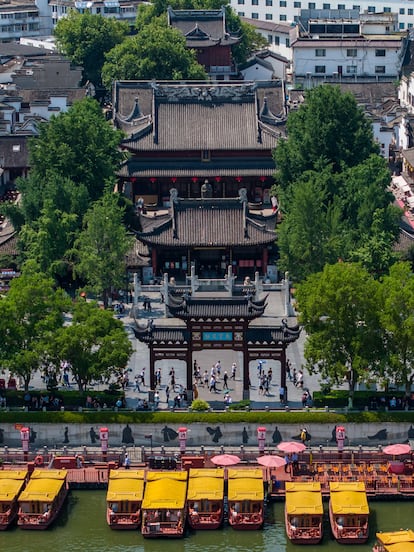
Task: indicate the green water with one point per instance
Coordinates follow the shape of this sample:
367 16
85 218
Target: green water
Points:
82 527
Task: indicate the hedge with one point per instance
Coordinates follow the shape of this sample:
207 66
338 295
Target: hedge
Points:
186 418
361 399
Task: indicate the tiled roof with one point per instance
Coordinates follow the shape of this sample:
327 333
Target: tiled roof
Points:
207 223
163 334
14 151
210 308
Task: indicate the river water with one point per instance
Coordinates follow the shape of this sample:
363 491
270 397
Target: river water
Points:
82 528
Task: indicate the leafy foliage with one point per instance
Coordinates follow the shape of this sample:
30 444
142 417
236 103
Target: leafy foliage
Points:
198 405
86 38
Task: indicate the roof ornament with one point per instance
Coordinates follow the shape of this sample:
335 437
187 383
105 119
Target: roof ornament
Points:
174 195
243 195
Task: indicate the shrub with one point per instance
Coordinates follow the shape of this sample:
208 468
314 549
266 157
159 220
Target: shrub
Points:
241 405
68 399
198 405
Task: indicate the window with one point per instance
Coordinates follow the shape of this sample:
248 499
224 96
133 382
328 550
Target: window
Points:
326 6
269 2
351 52
401 26
277 40
410 11
282 17
351 69
240 14
311 5
341 6
387 10
282 3
356 8
410 25
320 52
297 4
255 15
287 42
240 1
268 17
380 69
371 9
402 11
16 147
205 155
255 2
319 69
380 53
270 39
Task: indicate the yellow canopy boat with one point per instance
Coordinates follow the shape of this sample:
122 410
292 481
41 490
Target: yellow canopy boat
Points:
304 512
164 504
395 541
124 498
11 483
349 511
42 499
205 498
246 498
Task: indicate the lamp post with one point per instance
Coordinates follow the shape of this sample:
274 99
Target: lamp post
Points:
149 436
126 279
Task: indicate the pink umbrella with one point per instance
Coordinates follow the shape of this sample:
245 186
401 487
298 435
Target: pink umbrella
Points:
225 460
291 446
271 461
396 450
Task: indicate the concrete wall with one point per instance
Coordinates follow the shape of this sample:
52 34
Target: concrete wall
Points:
211 436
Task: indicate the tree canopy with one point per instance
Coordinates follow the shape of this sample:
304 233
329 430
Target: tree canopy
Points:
86 38
79 145
101 247
339 310
157 52
328 129
94 343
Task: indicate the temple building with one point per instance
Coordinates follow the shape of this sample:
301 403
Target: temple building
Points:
206 33
178 135
208 234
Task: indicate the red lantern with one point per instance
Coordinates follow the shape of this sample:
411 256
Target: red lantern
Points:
133 179
194 179
217 178
239 178
153 180
262 178
174 179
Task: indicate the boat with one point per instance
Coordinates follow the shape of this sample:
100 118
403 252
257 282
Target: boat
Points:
124 499
349 511
42 499
395 541
304 512
205 498
246 498
11 484
164 504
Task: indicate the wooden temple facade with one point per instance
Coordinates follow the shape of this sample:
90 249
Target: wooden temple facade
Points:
217 323
180 135
208 234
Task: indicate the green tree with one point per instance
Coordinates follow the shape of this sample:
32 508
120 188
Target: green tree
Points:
86 38
397 321
94 343
30 315
158 52
339 310
329 128
79 145
101 247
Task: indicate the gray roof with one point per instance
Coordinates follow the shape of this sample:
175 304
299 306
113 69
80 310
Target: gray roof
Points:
14 151
198 116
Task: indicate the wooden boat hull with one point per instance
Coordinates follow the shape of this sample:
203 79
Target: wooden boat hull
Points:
246 522
205 521
38 522
123 522
346 535
7 518
155 531
303 535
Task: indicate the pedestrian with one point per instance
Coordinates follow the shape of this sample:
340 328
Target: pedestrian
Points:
295 463
149 306
304 435
282 395
233 371
288 461
294 377
218 369
225 380
143 376
205 378
127 462
167 394
305 399
137 387
212 384
299 380
288 370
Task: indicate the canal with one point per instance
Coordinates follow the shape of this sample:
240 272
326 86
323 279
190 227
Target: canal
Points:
82 528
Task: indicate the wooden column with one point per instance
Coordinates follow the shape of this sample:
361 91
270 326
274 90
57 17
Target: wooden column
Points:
154 261
246 377
152 367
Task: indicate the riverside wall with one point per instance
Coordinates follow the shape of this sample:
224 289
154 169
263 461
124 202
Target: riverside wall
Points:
204 434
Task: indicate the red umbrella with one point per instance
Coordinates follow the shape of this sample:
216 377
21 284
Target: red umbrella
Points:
271 461
225 459
291 446
396 450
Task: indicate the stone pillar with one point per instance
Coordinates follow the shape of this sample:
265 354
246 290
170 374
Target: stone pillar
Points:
288 309
283 372
137 290
164 292
152 368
